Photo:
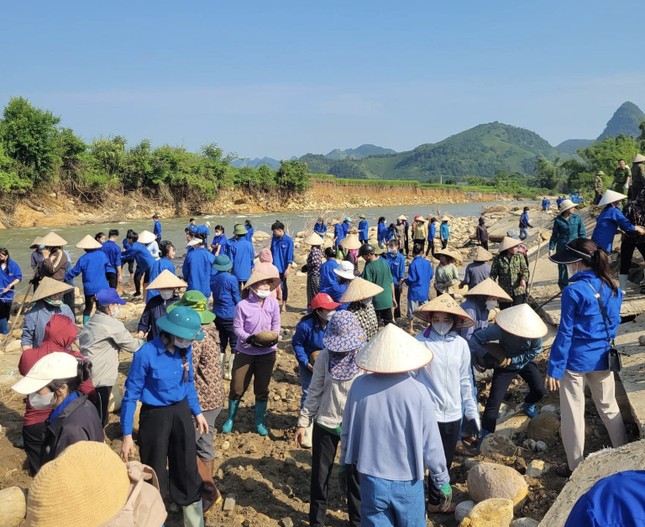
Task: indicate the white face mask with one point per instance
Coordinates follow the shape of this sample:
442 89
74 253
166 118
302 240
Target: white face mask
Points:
329 315
491 304
393 250
41 402
116 312
263 293
166 294
572 269
218 233
366 301
442 328
182 343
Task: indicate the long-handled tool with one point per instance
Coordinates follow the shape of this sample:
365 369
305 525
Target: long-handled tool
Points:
18 315
537 257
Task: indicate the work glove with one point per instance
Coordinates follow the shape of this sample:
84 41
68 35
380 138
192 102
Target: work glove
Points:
446 497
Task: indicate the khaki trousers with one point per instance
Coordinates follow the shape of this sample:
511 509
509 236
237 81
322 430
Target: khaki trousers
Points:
572 409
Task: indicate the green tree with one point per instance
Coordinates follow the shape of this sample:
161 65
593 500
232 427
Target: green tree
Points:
604 155
266 177
138 168
109 156
9 179
293 176
71 151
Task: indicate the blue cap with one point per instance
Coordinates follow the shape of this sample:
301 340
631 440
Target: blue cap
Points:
108 296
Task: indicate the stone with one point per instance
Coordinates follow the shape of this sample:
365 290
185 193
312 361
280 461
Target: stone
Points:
250 484
491 480
536 468
544 427
469 462
286 522
13 506
13 347
495 512
116 396
548 409
290 461
229 503
525 522
462 509
541 446
512 425
496 447
530 445
225 445
641 340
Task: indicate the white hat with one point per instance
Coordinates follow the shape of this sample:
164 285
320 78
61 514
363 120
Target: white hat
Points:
392 350
52 240
146 237
508 243
313 239
638 158
166 280
566 205
610 197
88 243
521 321
489 287
360 289
345 270
56 365
194 242
402 218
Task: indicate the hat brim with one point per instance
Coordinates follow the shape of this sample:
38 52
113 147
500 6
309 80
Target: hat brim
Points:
27 385
345 274
327 305
205 316
165 324
567 256
258 277
568 207
224 267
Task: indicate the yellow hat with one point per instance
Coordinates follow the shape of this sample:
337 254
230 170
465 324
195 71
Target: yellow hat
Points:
166 280
351 242
489 287
508 243
261 277
360 289
88 243
313 239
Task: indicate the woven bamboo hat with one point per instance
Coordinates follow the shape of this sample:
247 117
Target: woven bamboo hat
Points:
482 255
521 321
402 218
52 240
166 280
609 197
444 304
49 287
566 205
508 243
146 237
638 158
261 277
449 252
88 243
360 289
445 218
392 350
314 239
489 287
36 243
351 242
86 485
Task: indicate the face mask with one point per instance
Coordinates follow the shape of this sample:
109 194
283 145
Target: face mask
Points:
329 315
166 294
366 301
393 251
572 269
491 304
218 233
182 343
116 312
262 293
53 302
41 402
442 328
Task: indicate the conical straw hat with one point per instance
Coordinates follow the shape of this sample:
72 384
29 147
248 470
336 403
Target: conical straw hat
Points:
36 243
638 158
508 243
260 277
521 321
449 252
445 218
351 242
146 237
609 197
48 287
444 304
314 239
166 280
489 287
88 243
482 255
566 205
360 289
52 240
392 350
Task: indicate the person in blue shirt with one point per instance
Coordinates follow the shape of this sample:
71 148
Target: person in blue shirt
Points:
113 253
390 233
396 261
10 276
444 232
559 200
282 252
162 378
204 231
579 356
167 251
327 275
418 281
363 229
126 243
249 231
381 229
546 203
343 274
524 224
220 241
320 227
242 254
167 286
92 265
340 231
432 234
192 227
609 220
139 253
198 267
156 230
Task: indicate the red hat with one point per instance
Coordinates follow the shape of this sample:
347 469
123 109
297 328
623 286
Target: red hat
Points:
323 300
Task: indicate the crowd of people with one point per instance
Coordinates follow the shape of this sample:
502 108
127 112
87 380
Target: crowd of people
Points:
359 355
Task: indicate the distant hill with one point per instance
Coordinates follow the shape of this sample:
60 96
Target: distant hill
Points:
571 146
626 120
359 153
257 162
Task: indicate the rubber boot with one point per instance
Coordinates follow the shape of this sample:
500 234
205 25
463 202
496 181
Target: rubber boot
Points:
229 368
232 412
306 441
222 360
622 281
260 413
194 515
210 494
85 319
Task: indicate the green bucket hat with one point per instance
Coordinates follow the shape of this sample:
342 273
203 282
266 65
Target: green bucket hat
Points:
222 263
239 230
197 302
183 322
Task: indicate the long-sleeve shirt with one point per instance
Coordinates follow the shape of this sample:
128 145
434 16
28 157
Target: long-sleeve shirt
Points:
390 430
419 277
242 254
444 231
7 275
445 277
524 220
509 272
282 252
339 232
607 223
113 253
140 254
363 231
249 234
432 231
520 350
419 231
381 230
156 378
220 242
565 231
208 370
92 265
36 258
35 321
482 234
475 273
307 338
581 344
154 310
396 262
252 316
335 290
320 228
327 275
378 272
156 230
163 264
477 310
226 294
197 270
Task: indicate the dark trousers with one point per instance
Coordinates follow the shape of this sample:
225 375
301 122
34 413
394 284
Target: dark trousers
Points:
449 437
167 436
397 297
89 305
33 438
285 287
5 312
323 451
101 402
245 366
444 244
113 279
627 249
484 244
563 276
430 248
226 334
384 316
517 300
138 275
68 298
502 378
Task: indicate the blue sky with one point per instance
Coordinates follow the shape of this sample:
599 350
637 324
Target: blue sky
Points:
284 78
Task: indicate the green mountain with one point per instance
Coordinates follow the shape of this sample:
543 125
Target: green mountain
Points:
359 153
626 121
571 146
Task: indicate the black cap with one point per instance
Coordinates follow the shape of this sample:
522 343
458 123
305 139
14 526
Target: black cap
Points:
569 255
366 248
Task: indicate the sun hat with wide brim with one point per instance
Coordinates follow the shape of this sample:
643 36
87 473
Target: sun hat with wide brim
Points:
146 237
53 366
521 321
313 239
166 280
611 196
343 333
508 243
197 301
638 158
183 322
566 205
87 484
222 263
52 240
482 255
489 287
240 230
36 243
195 241
361 216
258 277
392 350
449 252
360 289
88 243
568 255
49 287
402 218
444 304
351 242
345 270
445 218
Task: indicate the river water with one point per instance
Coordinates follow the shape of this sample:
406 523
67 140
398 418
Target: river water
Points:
17 240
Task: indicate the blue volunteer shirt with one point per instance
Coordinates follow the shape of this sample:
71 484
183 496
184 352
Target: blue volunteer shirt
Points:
226 294
418 281
444 231
320 228
282 252
222 241
339 232
249 234
156 230
92 265
307 338
241 253
363 230
396 263
113 253
163 264
327 275
203 231
381 230
607 223
197 270
432 231
7 276
140 254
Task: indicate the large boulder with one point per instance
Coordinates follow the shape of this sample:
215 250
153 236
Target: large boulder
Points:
13 506
544 427
490 480
495 512
512 425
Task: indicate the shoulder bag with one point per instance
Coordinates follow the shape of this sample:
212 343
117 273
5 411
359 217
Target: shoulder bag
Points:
615 363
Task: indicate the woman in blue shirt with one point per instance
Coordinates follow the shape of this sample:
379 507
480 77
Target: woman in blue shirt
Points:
320 227
167 251
608 222
381 229
220 241
249 230
579 355
10 276
363 229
